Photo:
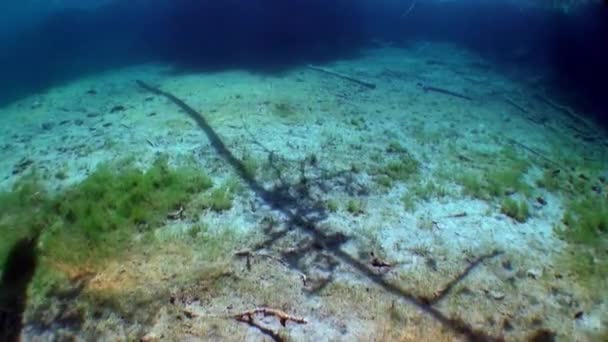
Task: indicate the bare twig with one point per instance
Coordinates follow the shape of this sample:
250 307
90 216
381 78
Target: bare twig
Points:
283 317
457 215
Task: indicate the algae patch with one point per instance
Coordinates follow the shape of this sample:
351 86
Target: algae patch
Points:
111 213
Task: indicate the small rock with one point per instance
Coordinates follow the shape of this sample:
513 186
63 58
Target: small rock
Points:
534 273
46 126
22 165
497 295
149 337
117 109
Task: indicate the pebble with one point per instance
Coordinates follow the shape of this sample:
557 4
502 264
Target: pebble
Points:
497 295
534 273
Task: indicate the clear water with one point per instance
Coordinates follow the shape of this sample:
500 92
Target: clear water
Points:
303 170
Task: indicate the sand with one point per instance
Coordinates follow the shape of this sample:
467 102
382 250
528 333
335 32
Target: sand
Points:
507 277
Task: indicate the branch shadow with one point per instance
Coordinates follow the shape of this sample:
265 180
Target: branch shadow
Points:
305 214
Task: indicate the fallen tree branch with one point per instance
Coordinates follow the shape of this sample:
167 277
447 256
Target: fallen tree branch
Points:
535 152
427 88
247 316
342 76
514 104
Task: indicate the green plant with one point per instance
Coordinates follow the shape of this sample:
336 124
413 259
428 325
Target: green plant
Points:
422 191
96 219
284 110
354 207
586 220
332 205
585 229
220 199
250 166
384 181
516 210
395 147
401 169
473 185
502 182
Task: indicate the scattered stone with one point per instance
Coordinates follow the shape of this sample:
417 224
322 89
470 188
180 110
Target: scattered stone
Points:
117 109
78 122
542 335
91 92
497 295
507 265
22 165
47 126
64 122
432 264
149 337
107 124
534 273
579 315
541 201
92 115
152 114
506 325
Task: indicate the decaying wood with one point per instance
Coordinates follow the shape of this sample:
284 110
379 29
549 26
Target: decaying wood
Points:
247 316
514 104
535 152
428 88
588 132
457 215
343 76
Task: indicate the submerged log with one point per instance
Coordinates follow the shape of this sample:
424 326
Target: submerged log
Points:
343 76
427 88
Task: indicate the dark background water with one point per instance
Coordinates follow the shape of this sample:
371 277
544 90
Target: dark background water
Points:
271 36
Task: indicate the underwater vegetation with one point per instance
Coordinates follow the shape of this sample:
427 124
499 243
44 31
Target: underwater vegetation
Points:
497 182
110 213
422 191
584 227
586 221
401 168
518 210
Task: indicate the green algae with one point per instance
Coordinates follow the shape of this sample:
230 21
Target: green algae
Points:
403 168
422 192
584 228
586 221
354 206
518 210
110 213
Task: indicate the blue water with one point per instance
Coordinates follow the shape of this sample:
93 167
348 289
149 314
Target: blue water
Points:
267 35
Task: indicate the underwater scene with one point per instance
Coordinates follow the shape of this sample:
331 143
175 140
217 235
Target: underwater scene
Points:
303 170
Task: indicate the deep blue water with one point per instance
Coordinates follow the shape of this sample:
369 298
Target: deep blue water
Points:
274 35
